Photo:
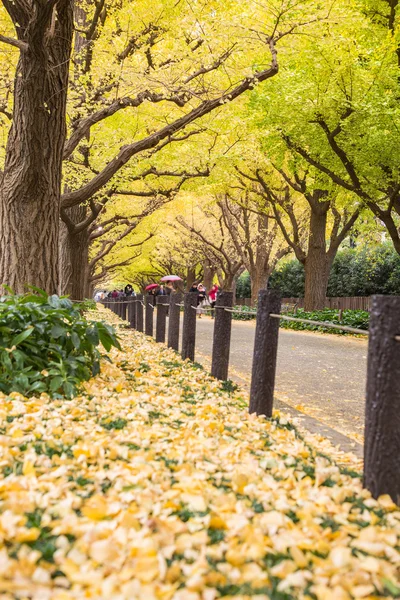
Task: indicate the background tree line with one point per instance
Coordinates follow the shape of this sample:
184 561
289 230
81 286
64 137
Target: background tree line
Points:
355 272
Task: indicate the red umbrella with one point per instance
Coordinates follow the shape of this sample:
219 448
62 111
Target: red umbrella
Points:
152 286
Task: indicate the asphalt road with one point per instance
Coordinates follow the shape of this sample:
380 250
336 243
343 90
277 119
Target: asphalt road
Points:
319 375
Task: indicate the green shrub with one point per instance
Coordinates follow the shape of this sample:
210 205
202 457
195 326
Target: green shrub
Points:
351 318
47 345
245 313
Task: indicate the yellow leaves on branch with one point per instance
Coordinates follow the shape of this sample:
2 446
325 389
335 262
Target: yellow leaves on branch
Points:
155 484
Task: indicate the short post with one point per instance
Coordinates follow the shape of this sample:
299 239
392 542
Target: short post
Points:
382 410
189 325
114 305
124 306
139 312
265 353
148 301
161 320
174 320
340 315
132 312
222 336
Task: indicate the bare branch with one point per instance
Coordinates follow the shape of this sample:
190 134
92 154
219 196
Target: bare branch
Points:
23 46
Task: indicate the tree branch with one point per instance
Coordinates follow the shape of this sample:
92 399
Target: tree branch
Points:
205 107
23 46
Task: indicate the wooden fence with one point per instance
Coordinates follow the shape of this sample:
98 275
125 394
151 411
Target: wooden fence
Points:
339 303
382 415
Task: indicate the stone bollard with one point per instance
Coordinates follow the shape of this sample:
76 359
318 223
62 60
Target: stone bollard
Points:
161 320
174 320
382 409
265 352
189 325
149 305
139 312
222 336
132 312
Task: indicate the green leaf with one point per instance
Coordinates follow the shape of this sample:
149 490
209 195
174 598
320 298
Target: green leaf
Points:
92 335
38 290
69 389
54 301
391 587
37 386
56 383
57 331
75 339
22 336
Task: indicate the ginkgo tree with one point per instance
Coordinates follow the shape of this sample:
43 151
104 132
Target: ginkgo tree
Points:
179 61
335 112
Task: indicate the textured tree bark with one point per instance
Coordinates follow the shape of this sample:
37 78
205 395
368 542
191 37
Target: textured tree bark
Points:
259 280
65 268
31 184
191 278
209 273
382 411
74 257
317 263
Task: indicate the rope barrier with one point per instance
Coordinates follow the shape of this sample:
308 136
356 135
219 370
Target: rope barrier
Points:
241 312
321 324
254 312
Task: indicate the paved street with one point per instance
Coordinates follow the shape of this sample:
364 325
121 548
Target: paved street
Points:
320 375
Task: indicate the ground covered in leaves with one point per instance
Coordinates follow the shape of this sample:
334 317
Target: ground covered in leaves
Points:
156 484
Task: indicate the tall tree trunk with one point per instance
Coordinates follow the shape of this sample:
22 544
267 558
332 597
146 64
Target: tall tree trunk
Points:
65 267
209 273
31 183
317 264
258 281
80 278
190 277
74 256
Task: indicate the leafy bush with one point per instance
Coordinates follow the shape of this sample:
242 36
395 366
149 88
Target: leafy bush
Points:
243 286
47 345
289 279
355 272
245 313
352 318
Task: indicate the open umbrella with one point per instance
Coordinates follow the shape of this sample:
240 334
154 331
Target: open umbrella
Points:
171 278
152 286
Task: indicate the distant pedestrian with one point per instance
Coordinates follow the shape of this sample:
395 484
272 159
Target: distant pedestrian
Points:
161 291
194 287
114 294
128 290
169 288
212 296
202 300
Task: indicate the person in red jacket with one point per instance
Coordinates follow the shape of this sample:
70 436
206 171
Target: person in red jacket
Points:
212 295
